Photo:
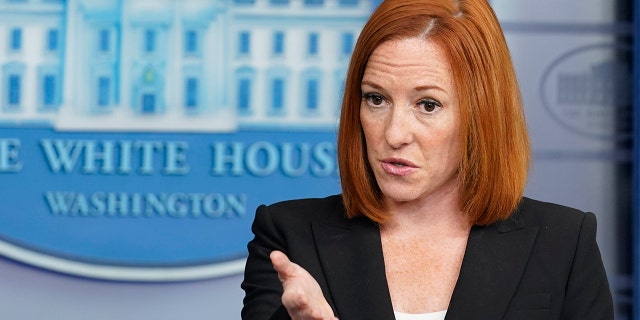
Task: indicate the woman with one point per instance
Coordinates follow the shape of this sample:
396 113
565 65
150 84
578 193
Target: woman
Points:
431 224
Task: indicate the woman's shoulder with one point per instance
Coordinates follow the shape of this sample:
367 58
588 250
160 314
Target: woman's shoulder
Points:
330 202
305 208
547 210
552 217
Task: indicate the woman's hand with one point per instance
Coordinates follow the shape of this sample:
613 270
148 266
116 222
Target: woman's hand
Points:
302 296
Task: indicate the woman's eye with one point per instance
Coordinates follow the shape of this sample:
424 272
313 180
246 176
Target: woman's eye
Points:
374 99
429 106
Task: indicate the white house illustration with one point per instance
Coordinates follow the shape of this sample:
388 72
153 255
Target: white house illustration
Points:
170 65
607 83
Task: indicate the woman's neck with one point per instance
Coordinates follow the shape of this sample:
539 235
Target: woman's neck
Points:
442 213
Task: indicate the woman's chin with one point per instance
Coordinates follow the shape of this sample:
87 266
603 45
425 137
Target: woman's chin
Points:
398 196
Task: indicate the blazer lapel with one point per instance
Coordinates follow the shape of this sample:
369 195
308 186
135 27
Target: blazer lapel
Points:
350 252
493 264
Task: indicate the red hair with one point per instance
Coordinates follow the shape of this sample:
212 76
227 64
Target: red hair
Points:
495 145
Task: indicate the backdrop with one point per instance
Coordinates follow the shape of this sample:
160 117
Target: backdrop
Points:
138 137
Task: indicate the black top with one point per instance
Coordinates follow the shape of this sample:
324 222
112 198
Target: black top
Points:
542 263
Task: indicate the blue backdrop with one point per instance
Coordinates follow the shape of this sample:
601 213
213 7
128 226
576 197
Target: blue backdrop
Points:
137 138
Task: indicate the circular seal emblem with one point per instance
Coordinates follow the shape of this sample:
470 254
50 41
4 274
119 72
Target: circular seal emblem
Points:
588 90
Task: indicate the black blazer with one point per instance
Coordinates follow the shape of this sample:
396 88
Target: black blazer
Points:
542 263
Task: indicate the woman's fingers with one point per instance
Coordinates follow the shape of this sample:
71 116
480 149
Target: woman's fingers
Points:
285 268
302 295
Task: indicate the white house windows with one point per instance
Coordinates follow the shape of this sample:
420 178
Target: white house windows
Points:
103 91
148 88
313 3
52 40
191 92
149 41
15 39
277 91
12 91
278 43
313 42
311 90
104 40
149 71
277 94
49 88
346 46
192 42
279 2
148 103
192 89
348 3
244 43
193 85
244 94
245 79
193 58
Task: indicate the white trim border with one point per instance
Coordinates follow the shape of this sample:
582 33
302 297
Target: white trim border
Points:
121 273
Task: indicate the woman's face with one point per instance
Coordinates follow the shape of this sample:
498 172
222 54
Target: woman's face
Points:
410 118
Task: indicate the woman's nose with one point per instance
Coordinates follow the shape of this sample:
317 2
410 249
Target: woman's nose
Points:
398 130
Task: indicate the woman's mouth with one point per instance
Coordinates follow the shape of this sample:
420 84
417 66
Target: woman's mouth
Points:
398 167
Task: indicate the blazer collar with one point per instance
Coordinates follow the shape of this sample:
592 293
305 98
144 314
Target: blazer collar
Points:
493 264
350 252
